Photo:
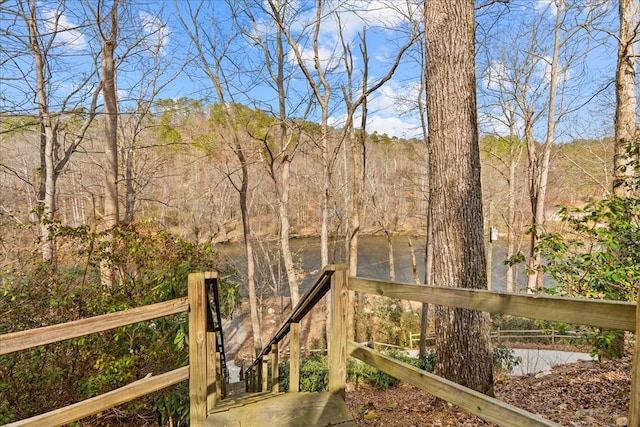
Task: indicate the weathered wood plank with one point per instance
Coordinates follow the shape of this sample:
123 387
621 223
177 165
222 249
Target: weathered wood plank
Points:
337 351
264 372
598 313
275 374
634 398
105 401
488 408
294 358
197 349
213 365
285 410
23 340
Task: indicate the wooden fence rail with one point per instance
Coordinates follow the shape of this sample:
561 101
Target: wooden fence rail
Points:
23 340
206 371
105 401
510 334
597 313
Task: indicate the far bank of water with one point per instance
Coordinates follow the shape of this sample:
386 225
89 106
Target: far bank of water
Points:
373 259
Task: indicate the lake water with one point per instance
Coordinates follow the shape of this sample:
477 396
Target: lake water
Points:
373 259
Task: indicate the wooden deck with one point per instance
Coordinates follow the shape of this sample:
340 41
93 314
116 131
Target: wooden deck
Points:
282 410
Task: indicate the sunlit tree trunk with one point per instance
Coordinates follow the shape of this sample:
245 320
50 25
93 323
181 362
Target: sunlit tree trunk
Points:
535 278
53 158
110 165
463 347
625 126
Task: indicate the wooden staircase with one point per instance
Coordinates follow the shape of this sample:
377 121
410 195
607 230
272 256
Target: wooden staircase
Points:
281 410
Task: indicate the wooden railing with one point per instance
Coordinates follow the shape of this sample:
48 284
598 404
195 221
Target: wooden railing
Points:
205 374
597 313
547 335
331 278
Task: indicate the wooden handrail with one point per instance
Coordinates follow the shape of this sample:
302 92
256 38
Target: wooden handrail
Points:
92 406
605 314
23 340
206 344
314 294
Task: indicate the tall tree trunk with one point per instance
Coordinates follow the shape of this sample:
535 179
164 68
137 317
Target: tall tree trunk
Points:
283 214
511 211
625 126
540 177
463 347
111 209
287 147
48 139
248 247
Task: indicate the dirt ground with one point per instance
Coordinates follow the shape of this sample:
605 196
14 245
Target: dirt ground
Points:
581 394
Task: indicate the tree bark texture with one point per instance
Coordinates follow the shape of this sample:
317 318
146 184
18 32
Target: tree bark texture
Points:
111 209
462 345
625 127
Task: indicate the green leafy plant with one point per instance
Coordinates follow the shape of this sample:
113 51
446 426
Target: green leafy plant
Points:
151 266
600 258
504 359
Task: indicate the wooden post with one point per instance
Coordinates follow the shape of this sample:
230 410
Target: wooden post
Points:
220 390
338 335
275 377
265 374
634 399
253 375
212 367
197 349
294 358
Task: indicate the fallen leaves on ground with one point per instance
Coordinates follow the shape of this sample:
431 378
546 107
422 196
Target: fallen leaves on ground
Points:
581 394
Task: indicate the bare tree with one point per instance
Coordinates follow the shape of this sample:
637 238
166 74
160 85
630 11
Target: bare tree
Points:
110 37
533 84
212 50
150 59
321 88
282 145
357 138
48 36
456 209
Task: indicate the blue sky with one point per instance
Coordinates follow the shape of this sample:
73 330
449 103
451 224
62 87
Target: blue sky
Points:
501 29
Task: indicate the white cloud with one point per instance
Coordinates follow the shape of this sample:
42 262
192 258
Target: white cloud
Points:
156 33
392 111
356 14
493 121
326 57
65 31
542 6
394 126
496 77
350 17
391 125
395 99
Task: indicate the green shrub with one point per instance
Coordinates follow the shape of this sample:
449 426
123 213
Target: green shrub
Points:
151 266
504 359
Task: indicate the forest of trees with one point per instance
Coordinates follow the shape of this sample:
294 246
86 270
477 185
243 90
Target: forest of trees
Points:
126 123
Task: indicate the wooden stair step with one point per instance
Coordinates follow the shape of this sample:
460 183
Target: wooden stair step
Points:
283 410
